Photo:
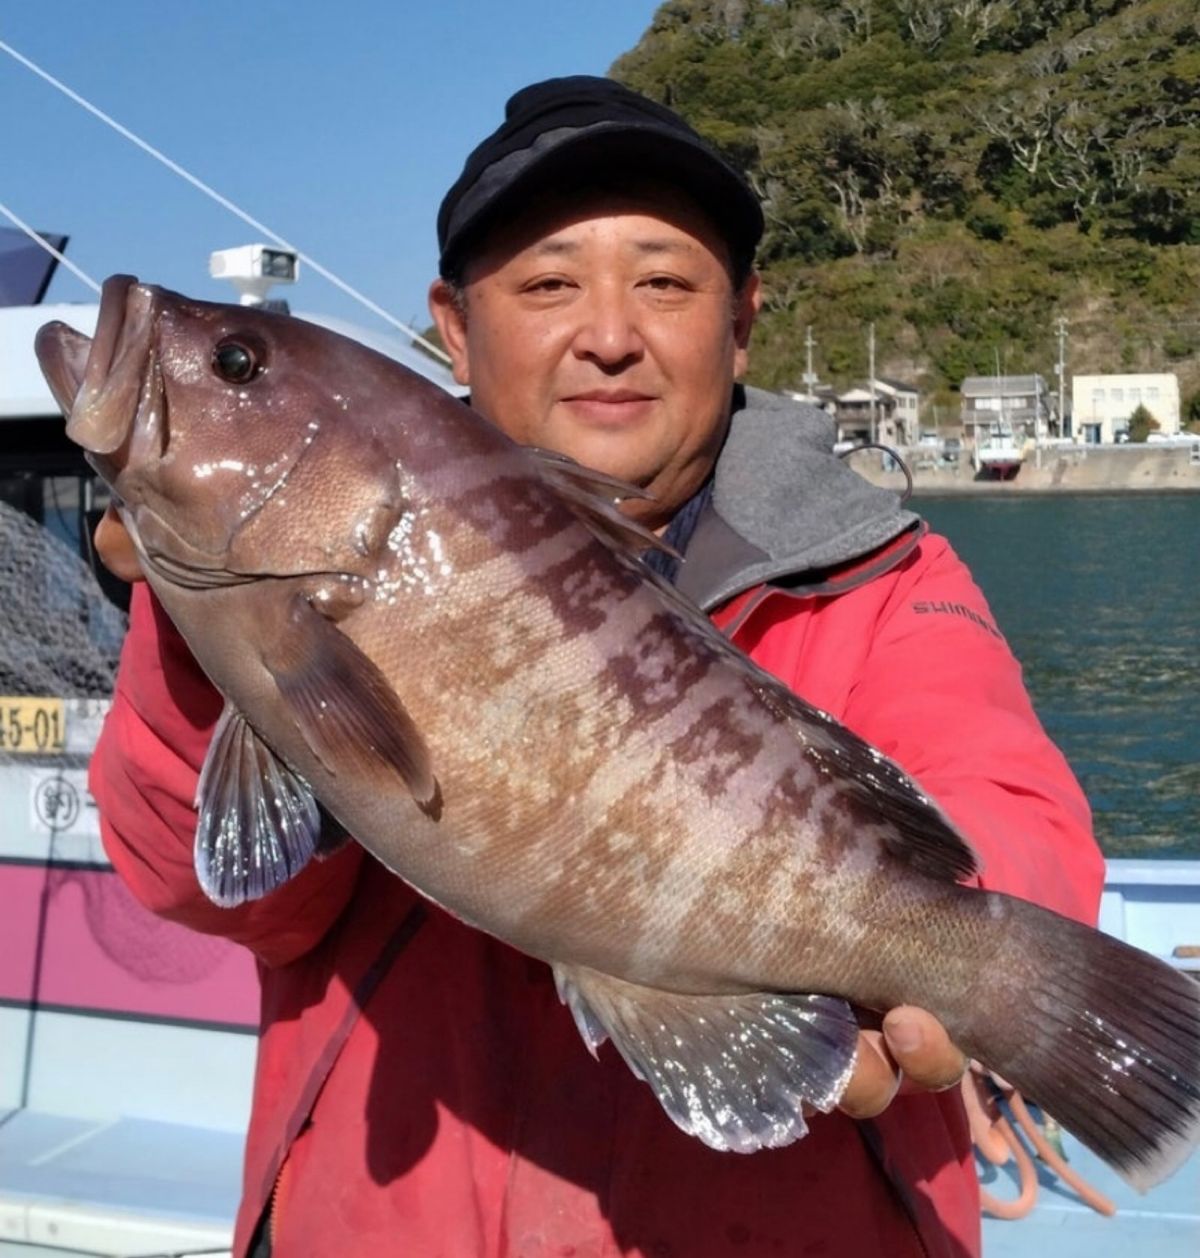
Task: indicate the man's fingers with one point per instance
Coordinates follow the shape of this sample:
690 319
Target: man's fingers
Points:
875 1079
921 1048
913 1053
115 547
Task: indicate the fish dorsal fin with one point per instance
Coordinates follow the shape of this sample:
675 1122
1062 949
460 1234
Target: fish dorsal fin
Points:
258 821
345 707
593 497
916 831
733 1071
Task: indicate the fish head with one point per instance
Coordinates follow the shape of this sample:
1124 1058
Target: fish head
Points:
203 418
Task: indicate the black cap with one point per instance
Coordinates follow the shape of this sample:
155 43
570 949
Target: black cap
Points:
549 126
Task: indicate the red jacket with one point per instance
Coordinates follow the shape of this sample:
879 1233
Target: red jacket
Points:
420 1085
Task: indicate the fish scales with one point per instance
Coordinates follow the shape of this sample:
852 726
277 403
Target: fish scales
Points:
607 736
646 699
585 591
644 660
446 640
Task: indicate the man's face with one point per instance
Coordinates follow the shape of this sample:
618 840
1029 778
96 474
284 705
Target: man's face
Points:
606 328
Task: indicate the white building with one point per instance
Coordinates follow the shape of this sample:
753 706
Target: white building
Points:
1101 405
896 412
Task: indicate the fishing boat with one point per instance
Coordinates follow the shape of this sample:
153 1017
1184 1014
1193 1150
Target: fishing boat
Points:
999 452
1009 420
127 1043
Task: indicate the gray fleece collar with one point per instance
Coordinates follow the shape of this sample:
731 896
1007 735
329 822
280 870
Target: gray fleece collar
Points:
783 504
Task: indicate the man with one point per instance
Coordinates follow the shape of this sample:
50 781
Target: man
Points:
420 1090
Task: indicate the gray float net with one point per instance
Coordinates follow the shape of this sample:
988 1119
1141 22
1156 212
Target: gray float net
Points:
59 635
60 638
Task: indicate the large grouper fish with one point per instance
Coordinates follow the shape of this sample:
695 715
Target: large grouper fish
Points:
446 645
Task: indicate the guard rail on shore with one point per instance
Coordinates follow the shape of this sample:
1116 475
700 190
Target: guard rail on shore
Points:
1063 467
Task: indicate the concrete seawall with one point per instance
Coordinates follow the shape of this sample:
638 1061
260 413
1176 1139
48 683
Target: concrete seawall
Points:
1053 469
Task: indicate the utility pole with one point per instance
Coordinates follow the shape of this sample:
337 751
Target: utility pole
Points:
871 374
810 376
1061 369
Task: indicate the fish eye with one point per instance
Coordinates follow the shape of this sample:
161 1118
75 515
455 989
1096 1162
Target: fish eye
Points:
236 361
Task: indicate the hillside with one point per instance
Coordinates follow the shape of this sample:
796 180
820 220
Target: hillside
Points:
960 172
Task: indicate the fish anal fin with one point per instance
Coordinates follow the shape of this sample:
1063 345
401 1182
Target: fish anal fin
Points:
258 821
734 1071
344 706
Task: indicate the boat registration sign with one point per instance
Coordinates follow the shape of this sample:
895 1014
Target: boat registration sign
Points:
32 725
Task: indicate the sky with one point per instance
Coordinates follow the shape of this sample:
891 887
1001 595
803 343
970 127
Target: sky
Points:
339 124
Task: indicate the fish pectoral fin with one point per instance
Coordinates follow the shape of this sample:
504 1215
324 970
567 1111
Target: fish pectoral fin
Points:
258 823
344 706
593 497
734 1071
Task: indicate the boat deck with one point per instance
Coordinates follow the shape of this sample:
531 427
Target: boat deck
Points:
1163 1224
1154 904
129 1186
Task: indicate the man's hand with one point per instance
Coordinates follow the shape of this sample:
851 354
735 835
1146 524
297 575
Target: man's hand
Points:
116 549
912 1053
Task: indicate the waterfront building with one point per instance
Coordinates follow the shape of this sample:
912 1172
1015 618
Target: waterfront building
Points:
1102 405
1016 407
907 411
897 412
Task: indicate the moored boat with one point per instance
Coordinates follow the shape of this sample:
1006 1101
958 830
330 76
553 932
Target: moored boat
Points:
1000 453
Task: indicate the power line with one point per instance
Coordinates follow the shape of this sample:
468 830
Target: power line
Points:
49 248
222 201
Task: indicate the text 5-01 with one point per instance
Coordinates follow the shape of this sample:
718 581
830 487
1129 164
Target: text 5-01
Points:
31 725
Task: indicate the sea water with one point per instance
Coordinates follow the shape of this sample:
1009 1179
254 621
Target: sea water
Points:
1099 598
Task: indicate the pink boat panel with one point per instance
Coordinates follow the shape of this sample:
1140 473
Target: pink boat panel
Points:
103 952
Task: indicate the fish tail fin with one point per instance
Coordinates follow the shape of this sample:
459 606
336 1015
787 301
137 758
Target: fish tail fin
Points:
1108 1043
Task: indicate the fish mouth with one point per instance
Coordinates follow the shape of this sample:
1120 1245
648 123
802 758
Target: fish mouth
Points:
102 383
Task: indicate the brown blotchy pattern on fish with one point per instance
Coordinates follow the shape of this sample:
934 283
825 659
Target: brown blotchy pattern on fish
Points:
506 638
662 663
720 743
756 903
617 877
515 513
791 799
584 586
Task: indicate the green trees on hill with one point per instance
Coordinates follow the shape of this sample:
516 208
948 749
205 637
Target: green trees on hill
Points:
959 171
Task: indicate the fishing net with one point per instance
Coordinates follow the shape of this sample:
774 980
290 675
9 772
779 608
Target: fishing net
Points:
59 635
146 947
60 639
